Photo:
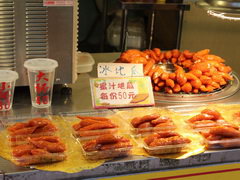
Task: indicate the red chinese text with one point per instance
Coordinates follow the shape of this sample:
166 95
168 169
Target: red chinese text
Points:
43 91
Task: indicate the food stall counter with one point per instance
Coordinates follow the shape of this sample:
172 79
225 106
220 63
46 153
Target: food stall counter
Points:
80 100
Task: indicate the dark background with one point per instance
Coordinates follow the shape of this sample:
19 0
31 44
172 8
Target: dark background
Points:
91 26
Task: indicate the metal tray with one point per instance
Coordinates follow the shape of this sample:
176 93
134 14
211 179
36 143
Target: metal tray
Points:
227 91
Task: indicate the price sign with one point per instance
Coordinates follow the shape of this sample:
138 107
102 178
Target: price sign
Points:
121 92
119 70
58 2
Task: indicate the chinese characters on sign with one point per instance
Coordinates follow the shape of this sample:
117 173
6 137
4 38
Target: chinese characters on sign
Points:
121 92
42 88
114 90
5 95
119 70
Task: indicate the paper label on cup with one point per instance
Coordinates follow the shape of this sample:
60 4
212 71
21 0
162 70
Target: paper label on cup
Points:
119 70
58 2
121 92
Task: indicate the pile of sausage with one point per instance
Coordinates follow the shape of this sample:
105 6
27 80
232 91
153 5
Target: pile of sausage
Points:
34 127
217 131
152 122
93 126
42 149
195 72
34 142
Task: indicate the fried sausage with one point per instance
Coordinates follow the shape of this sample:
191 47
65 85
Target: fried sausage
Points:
225 131
139 120
161 119
201 117
100 125
94 118
214 113
115 146
107 139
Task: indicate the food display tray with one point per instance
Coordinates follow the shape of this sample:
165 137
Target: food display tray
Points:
230 89
112 153
71 119
125 165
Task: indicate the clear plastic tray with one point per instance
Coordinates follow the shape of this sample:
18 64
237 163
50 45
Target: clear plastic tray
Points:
16 140
169 149
223 144
105 154
39 159
71 119
159 150
41 154
140 112
137 131
31 160
20 137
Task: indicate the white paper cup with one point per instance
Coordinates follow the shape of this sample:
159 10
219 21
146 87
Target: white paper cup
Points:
41 72
7 85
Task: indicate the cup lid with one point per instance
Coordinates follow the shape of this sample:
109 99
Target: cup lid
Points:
8 75
41 64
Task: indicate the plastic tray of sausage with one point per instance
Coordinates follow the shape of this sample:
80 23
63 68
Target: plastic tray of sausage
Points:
34 140
40 158
90 124
106 146
218 132
223 143
147 120
151 123
220 137
20 128
164 142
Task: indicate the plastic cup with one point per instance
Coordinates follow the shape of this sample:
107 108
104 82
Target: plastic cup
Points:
7 85
41 72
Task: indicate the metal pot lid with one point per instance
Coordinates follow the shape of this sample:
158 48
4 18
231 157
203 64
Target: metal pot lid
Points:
224 3
227 6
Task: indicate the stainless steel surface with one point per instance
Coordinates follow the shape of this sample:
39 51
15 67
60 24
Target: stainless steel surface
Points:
225 3
81 100
30 30
7 35
227 6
